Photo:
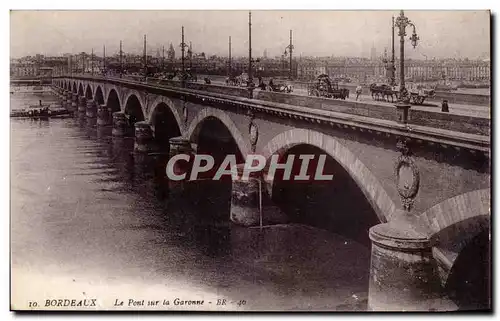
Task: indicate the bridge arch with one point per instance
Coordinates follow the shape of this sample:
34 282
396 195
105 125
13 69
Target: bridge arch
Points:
459 229
454 210
195 127
74 87
98 95
369 185
81 90
170 104
113 101
139 98
88 92
165 120
133 108
116 90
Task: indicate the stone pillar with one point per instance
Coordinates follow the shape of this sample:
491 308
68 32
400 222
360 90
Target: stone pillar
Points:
63 98
120 124
103 115
68 97
180 145
143 137
91 110
403 272
74 102
246 198
82 104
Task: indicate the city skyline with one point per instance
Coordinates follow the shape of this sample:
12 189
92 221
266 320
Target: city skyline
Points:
58 32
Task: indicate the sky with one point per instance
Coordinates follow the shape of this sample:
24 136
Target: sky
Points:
443 34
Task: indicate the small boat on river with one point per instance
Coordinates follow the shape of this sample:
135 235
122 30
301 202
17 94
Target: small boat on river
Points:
40 111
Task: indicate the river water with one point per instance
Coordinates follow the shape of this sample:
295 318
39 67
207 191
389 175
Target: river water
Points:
90 220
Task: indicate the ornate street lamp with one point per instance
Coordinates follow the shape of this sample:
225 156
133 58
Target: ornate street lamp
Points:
250 83
402 22
183 46
403 104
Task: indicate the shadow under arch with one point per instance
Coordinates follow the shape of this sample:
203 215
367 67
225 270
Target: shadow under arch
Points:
459 229
165 124
74 88
113 101
469 280
369 185
99 96
88 92
80 90
193 131
133 109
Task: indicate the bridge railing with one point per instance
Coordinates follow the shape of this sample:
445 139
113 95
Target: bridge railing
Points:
444 121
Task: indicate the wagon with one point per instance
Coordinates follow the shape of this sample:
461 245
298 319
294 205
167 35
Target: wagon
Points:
418 97
415 96
324 87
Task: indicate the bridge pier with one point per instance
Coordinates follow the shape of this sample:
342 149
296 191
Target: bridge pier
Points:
82 104
403 272
74 102
120 124
180 145
68 98
245 198
63 97
103 115
144 141
91 111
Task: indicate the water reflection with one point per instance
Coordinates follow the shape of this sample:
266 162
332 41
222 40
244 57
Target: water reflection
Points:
91 209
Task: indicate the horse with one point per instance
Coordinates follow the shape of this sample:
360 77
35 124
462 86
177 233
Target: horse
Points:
283 88
382 92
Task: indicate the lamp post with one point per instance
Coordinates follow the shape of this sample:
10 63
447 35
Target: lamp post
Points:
402 22
183 47
145 58
390 65
103 60
250 78
290 48
230 63
393 62
121 60
92 62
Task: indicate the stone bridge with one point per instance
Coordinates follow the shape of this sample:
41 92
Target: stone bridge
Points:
424 176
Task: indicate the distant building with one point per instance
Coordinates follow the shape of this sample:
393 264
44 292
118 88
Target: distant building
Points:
373 53
171 53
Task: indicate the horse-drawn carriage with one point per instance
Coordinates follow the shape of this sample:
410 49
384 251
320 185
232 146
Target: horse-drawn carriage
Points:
238 81
383 92
416 95
278 86
181 76
325 87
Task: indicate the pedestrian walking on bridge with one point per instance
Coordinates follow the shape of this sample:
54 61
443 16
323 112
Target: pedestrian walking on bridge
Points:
359 90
